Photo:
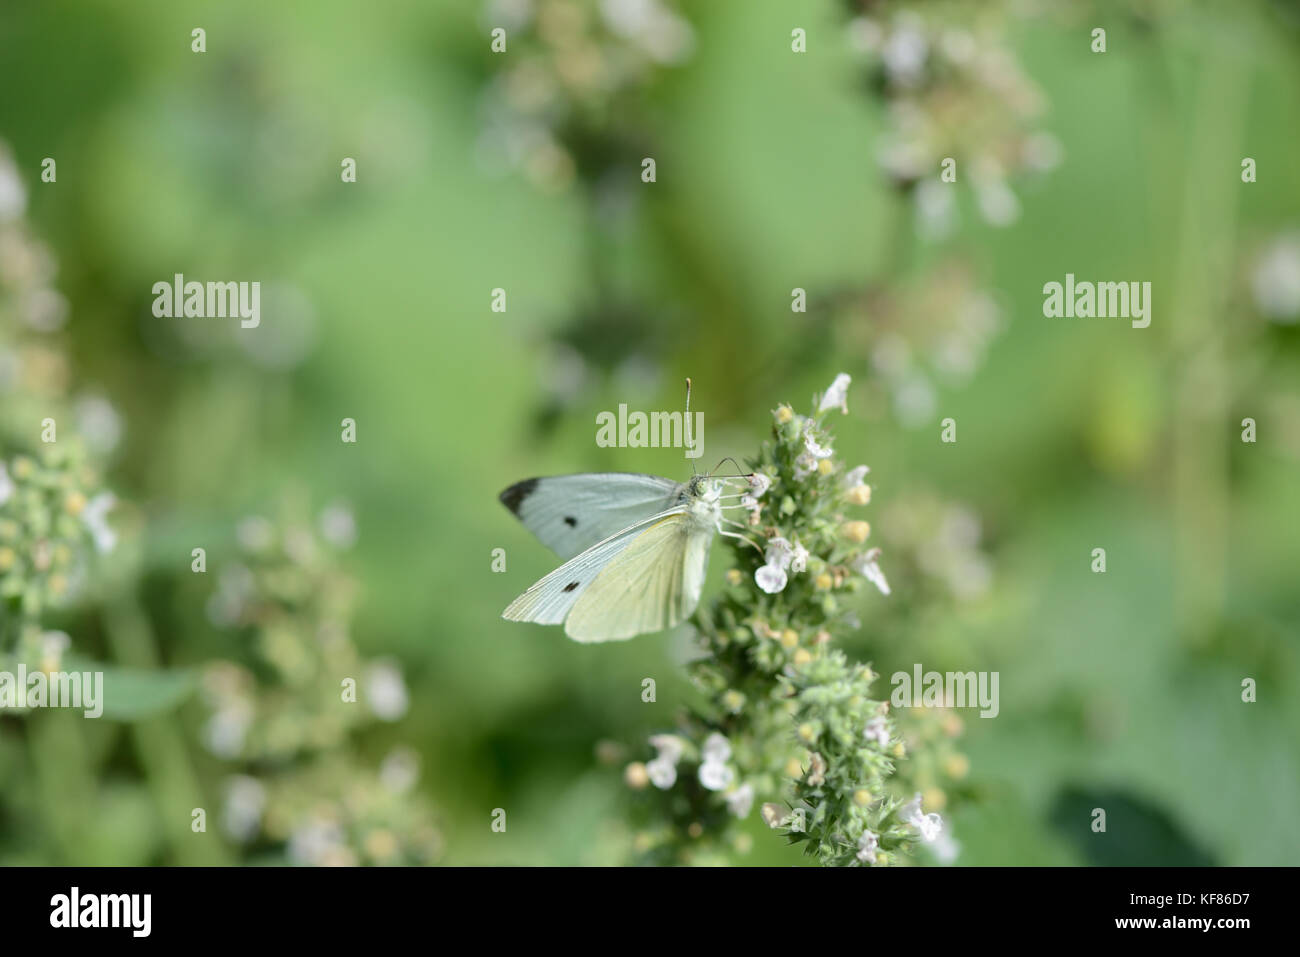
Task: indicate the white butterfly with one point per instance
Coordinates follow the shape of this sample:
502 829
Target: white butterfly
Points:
636 550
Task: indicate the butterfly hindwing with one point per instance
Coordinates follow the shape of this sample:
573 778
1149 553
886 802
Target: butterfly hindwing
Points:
651 584
571 513
550 600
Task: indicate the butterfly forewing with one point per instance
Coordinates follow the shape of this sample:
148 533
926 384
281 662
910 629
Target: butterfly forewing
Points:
571 513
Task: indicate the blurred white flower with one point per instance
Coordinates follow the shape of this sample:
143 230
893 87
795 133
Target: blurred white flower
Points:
799 560
225 731
927 825
669 746
241 816
314 841
400 770
386 690
877 730
6 484
1275 282
338 526
716 748
836 397
234 588
853 479
997 203
778 553
45 310
905 51
741 800
95 518
255 533
666 37
662 772
98 423
508 14
770 578
13 198
945 848
53 646
866 566
867 845
715 775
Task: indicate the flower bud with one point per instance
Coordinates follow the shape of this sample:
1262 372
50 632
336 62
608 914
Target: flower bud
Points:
858 495
857 532
636 776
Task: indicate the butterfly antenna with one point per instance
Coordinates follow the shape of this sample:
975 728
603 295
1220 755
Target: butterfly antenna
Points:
739 474
689 443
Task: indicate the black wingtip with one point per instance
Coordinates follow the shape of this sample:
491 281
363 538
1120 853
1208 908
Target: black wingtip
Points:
513 497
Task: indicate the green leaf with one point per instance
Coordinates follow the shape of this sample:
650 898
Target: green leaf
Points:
133 694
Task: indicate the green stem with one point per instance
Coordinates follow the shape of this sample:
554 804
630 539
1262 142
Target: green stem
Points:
159 743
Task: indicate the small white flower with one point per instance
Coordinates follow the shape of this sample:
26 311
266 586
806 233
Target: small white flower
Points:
255 533
226 730
95 517
814 450
758 484
853 478
313 841
945 848
386 691
99 424
877 730
770 578
716 748
1275 281
905 52
929 825
806 463
997 203
242 815
779 553
837 395
53 645
338 526
669 747
799 561
866 566
662 772
741 800
400 770
715 775
867 845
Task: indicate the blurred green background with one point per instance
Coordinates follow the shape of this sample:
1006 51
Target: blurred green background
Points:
1120 690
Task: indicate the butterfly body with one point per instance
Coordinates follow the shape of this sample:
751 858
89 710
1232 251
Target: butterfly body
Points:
636 550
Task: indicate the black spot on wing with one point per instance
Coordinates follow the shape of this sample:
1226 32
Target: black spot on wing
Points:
570 521
571 586
513 497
